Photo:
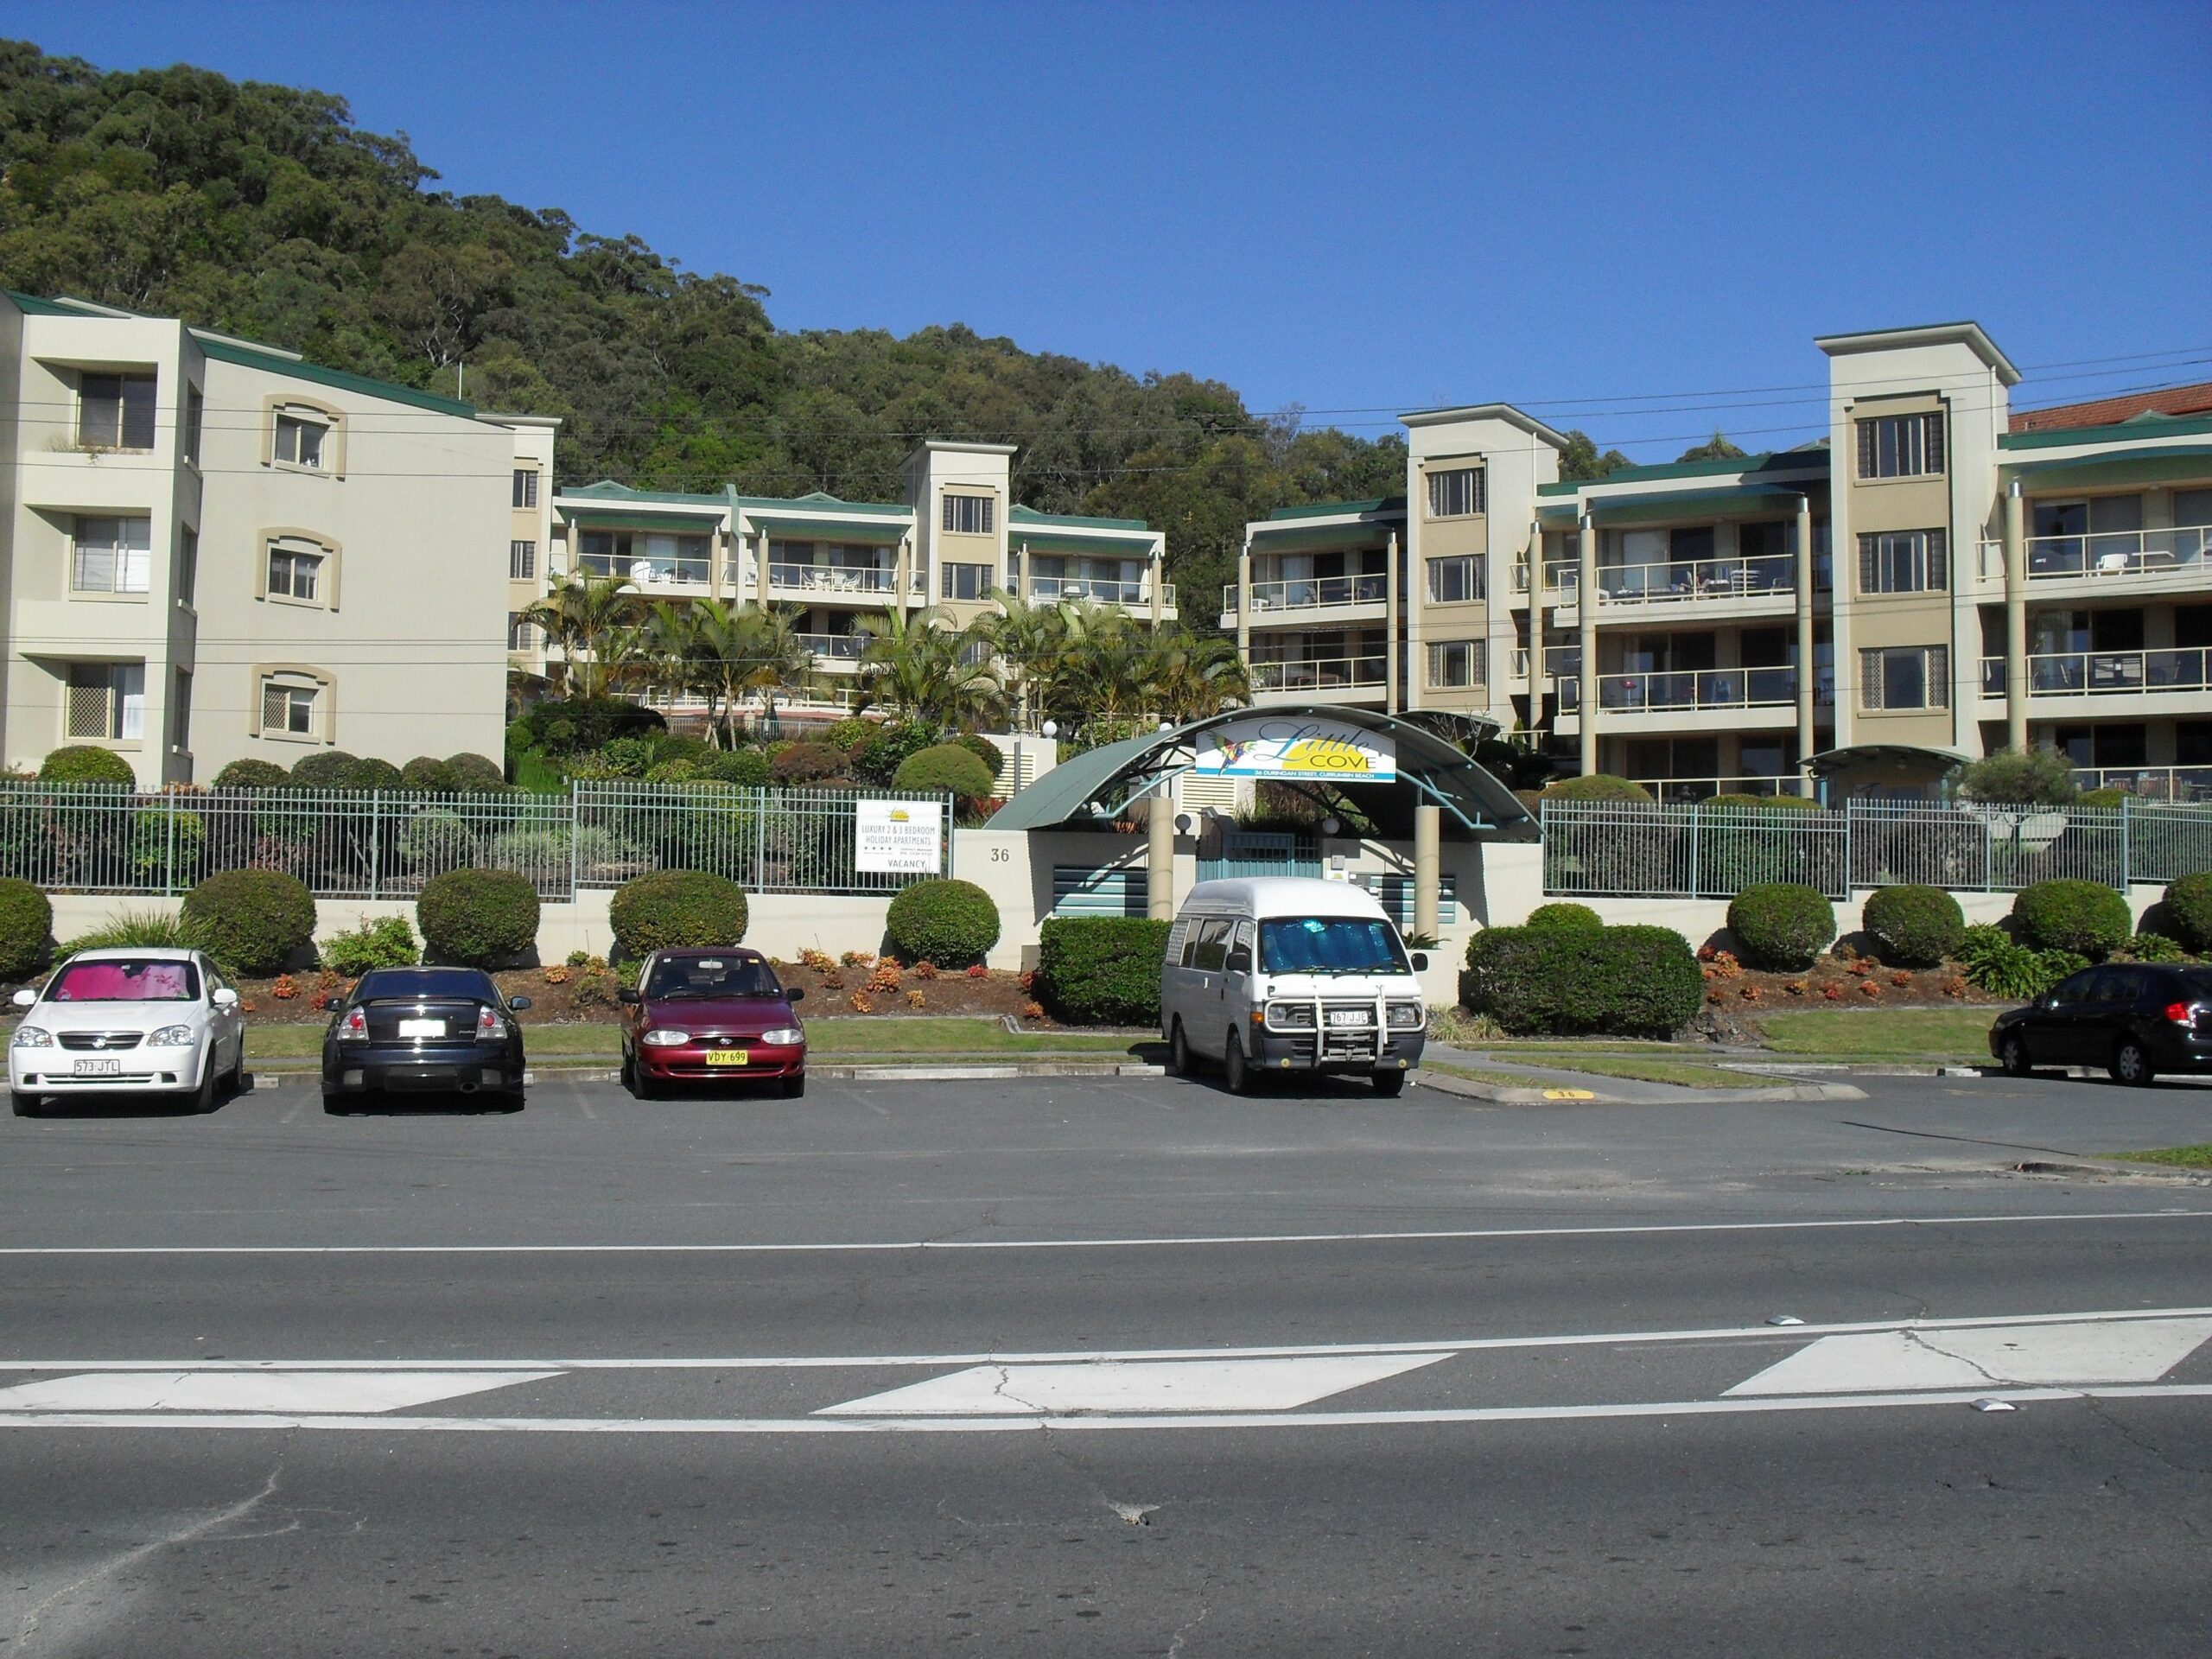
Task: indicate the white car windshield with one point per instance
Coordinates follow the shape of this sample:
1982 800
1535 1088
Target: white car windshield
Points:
117 980
1330 945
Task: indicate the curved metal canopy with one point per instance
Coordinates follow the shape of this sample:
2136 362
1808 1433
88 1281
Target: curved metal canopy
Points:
1094 786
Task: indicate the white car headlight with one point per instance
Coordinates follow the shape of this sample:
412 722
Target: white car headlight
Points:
662 1037
1407 1016
783 1036
170 1037
30 1037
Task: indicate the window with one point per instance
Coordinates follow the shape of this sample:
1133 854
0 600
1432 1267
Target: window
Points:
180 711
301 441
1455 581
1207 949
195 407
526 487
109 556
1900 446
1458 663
188 564
116 411
1906 676
1906 561
289 707
520 635
644 556
106 702
970 515
967 581
295 573
1456 494
522 558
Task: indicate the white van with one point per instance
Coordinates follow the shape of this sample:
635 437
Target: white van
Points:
1286 974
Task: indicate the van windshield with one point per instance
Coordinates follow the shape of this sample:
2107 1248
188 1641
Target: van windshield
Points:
1330 945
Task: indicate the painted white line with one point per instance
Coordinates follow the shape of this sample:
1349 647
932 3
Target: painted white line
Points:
2135 1350
315 1392
1189 1241
1439 1345
1186 1385
766 1426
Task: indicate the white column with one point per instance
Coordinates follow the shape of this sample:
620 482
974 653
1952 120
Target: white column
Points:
2016 620
1428 862
1160 856
1586 634
1807 674
1390 564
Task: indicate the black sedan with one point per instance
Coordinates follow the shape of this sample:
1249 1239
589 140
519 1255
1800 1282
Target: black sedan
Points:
429 1029
2136 1020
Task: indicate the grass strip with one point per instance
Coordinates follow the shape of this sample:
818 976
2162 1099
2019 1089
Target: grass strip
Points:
1688 1073
2181 1157
1473 1074
1880 1034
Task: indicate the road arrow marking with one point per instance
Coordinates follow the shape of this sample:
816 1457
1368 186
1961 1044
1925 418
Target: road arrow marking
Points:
319 1393
1154 1385
2043 1355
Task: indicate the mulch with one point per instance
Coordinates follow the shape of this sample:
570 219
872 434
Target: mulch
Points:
1832 981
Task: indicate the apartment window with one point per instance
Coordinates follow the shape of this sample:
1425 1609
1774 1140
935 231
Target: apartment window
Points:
1458 663
105 703
195 407
1455 494
526 487
522 558
644 556
520 636
1900 446
188 564
180 711
1905 676
109 556
290 707
301 441
970 515
116 411
967 581
295 573
1904 562
1455 581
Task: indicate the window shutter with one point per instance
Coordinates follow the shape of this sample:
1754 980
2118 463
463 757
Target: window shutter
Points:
1869 679
1865 449
1934 442
1939 569
1938 677
1869 565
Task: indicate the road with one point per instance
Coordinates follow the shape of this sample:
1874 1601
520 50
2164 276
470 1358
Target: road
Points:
1111 1366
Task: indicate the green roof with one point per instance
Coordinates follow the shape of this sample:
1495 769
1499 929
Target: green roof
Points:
2146 464
824 529
1773 461
246 357
1020 515
1657 506
595 519
607 490
38 307
1320 538
1330 509
820 503
2126 432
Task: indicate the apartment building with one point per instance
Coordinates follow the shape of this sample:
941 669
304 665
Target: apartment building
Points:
2008 580
955 540
213 550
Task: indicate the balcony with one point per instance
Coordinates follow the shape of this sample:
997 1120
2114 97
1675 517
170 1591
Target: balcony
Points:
2185 783
655 572
1691 691
1686 792
1319 674
1307 594
2104 673
2159 558
1093 590
835 650
858 582
1768 576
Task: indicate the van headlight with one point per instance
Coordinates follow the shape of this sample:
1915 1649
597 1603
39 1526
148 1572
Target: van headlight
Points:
1291 1016
1406 1016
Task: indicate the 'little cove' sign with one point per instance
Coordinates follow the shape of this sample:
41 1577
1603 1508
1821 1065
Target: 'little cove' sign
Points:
1296 746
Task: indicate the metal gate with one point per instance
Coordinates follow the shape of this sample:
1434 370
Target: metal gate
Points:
1262 852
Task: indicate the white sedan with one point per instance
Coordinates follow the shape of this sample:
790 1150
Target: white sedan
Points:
128 1021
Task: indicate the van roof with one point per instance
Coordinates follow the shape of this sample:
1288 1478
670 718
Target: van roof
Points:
1283 895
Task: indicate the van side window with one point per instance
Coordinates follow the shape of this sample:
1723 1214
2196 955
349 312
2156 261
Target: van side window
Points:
1240 950
1178 940
1208 949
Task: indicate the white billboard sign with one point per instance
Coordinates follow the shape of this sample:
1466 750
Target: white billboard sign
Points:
1286 746
898 837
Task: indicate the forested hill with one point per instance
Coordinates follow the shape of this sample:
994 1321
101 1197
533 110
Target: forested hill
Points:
262 211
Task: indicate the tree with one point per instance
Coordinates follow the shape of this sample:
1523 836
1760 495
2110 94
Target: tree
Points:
589 618
1716 447
918 665
1581 461
2020 778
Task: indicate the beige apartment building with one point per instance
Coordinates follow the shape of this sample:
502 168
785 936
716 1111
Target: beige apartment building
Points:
956 539
213 550
2039 580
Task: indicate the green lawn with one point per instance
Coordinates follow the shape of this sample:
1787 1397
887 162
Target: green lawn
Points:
1496 1079
1881 1034
1694 1074
2185 1157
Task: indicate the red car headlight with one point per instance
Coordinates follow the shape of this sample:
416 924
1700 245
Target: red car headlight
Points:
783 1036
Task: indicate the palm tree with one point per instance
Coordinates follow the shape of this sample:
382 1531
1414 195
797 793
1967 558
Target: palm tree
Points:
1031 641
588 618
925 671
1190 676
773 657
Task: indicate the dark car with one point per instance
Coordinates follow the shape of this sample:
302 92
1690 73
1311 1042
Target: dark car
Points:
2134 1018
718 1016
429 1029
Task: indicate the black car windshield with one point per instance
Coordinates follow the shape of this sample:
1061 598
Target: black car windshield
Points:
697 976
1330 945
113 979
381 984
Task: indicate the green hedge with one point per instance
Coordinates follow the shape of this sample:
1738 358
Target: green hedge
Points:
326 769
251 774
478 773
387 942
668 909
82 763
26 919
1781 925
478 918
951 767
1563 915
748 768
809 763
429 773
1915 927
1617 981
2086 918
1102 970
254 921
950 923
2189 910
1598 787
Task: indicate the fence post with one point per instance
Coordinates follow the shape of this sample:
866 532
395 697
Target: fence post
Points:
759 836
952 834
2127 854
1988 853
576 832
1697 828
169 859
376 840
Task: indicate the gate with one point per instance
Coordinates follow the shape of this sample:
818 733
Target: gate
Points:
1262 852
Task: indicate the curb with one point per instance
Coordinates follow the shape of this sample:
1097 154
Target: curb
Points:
1557 1094
2115 1167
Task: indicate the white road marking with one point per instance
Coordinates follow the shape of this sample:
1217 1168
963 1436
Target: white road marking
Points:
1300 1420
306 1392
1185 1385
1172 1242
2133 1350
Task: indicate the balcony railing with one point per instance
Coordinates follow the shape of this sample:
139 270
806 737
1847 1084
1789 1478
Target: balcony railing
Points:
836 647
647 573
1681 792
1091 589
2150 783
2107 553
1690 690
1310 593
1668 584
1317 673
2100 673
834 579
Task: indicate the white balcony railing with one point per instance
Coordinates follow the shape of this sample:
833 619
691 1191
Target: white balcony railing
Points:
862 581
647 573
1317 673
1309 593
1088 589
2101 673
836 647
2150 783
1693 690
1681 792
2118 553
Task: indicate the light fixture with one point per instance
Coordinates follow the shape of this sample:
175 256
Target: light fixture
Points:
1167 725
1051 728
1182 823
1331 825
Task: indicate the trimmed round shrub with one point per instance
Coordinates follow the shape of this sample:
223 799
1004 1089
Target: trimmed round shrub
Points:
1780 925
949 767
671 908
671 771
478 918
809 763
950 923
885 750
430 774
26 919
475 773
251 774
1766 803
1598 787
83 763
2189 910
326 769
747 767
1915 927
2086 918
1102 970
1563 915
253 921
373 774
1617 982
2111 795
437 840
984 750
849 734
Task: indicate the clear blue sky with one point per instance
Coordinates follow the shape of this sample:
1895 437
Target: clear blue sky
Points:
1354 208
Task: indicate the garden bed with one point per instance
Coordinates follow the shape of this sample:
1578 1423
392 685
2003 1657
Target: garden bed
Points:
1853 981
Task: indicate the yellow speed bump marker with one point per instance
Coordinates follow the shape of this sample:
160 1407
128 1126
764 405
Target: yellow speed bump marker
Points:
1568 1094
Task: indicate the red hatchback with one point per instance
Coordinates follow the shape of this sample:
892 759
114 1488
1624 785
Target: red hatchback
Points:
710 1016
